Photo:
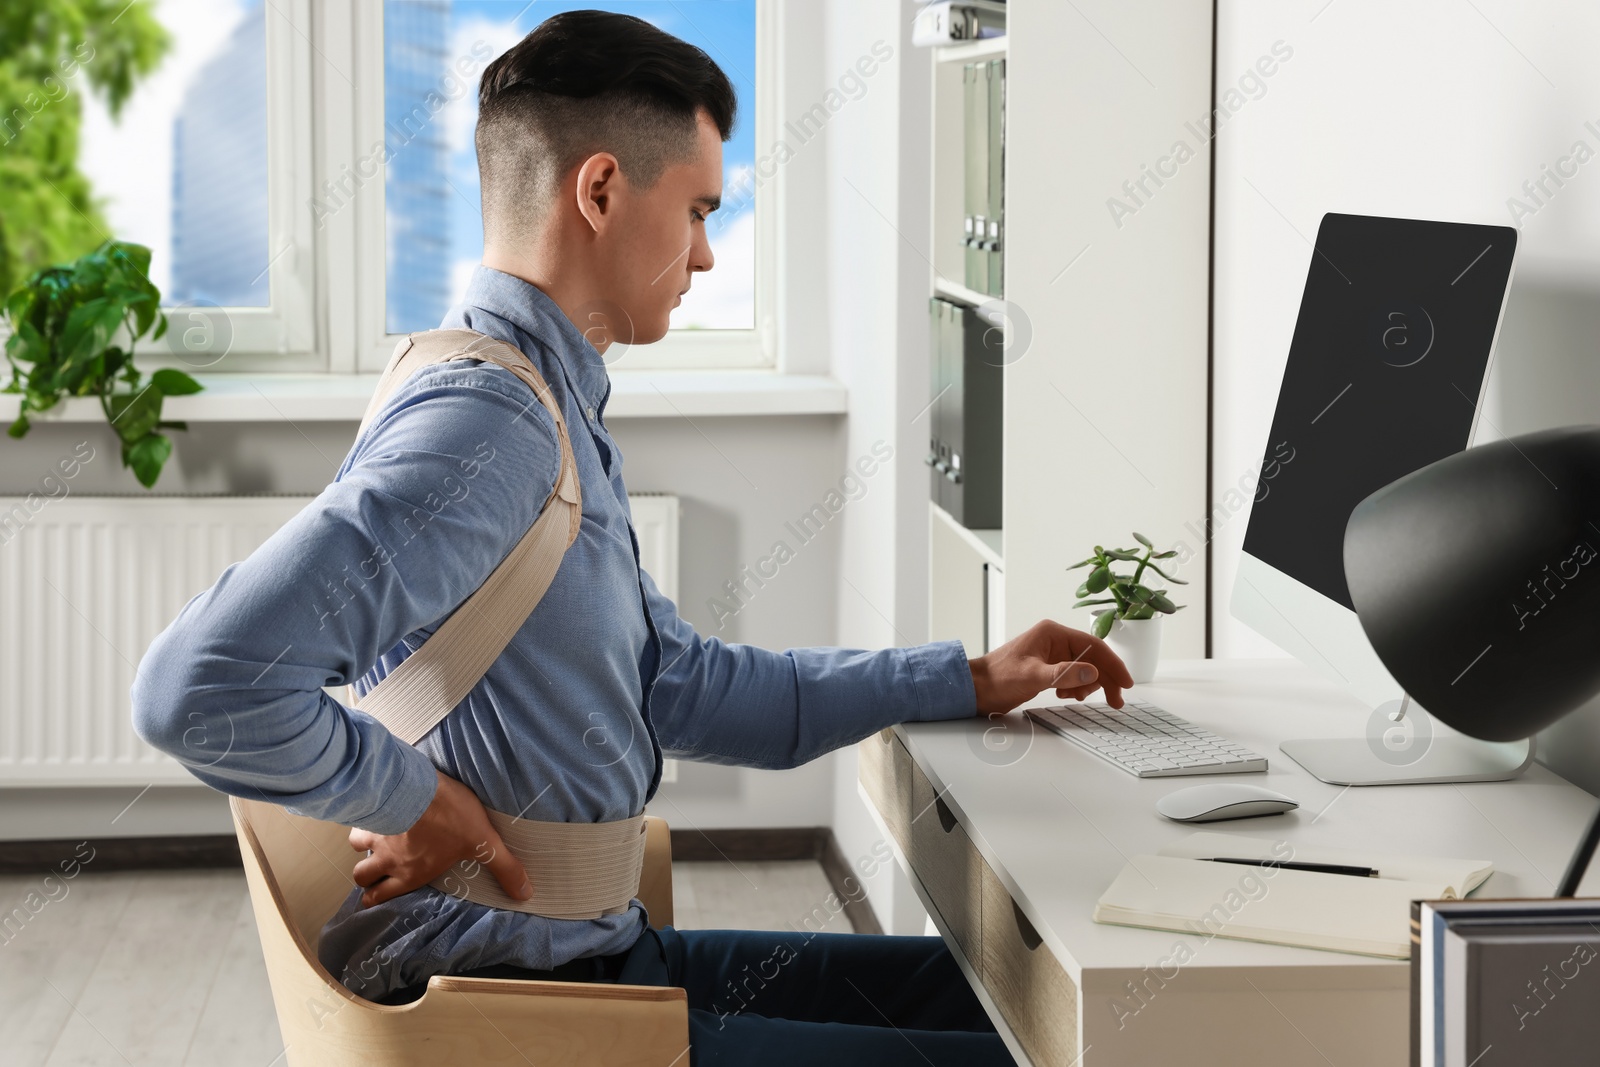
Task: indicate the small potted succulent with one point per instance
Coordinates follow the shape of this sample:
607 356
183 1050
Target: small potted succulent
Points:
1132 622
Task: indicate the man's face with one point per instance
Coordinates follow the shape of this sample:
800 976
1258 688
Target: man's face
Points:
660 239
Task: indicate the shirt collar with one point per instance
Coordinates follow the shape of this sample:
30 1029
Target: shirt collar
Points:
527 308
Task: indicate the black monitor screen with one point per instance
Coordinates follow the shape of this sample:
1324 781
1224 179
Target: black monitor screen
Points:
1383 378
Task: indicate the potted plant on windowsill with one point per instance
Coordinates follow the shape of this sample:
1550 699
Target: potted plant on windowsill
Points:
1131 625
73 329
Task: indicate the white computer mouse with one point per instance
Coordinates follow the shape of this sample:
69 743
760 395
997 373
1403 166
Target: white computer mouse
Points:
1223 800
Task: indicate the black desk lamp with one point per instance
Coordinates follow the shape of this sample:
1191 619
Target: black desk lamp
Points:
1477 580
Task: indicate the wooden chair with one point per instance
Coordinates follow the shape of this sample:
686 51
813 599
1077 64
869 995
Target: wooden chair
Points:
299 869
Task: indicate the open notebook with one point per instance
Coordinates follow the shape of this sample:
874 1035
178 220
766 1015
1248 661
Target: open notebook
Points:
1180 890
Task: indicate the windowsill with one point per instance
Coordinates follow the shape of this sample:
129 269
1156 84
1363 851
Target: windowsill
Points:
343 397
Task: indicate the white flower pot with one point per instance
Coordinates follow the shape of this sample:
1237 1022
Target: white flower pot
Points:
1138 643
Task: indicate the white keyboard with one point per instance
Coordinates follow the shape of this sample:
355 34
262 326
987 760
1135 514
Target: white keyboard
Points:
1147 741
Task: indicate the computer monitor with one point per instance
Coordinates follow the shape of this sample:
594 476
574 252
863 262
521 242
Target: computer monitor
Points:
1385 375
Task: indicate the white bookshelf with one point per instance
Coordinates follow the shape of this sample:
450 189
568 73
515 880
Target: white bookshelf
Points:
971 51
1093 90
959 293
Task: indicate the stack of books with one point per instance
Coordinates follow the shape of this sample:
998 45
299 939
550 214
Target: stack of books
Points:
1505 982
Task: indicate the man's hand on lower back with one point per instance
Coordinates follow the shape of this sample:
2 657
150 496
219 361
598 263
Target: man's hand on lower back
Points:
1048 656
455 827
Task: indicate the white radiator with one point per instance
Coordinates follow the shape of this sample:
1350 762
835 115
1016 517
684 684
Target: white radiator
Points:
655 522
86 583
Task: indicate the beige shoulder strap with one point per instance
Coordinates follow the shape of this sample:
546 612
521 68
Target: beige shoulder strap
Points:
434 679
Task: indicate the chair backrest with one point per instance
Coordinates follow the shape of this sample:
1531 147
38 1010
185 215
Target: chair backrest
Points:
306 865
299 872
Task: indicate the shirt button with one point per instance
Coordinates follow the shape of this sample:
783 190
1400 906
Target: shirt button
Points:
589 411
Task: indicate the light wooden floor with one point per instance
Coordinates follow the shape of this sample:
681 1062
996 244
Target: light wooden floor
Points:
163 968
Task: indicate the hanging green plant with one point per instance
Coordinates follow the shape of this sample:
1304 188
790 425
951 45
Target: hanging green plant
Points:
69 325
1130 597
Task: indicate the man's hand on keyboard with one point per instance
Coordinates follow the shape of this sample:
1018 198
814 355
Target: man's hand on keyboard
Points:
455 827
1048 656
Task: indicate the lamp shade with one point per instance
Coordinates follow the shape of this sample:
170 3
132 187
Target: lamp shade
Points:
1477 580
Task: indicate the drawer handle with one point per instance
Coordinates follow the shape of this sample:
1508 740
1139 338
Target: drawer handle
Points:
1030 937
947 818
885 735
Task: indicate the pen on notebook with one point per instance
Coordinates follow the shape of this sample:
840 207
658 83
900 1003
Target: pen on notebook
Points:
1316 868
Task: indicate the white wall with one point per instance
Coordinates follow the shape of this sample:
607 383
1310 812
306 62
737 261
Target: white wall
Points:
1432 109
876 217
1116 303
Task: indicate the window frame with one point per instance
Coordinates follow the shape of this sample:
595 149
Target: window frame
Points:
365 251
327 310
283 335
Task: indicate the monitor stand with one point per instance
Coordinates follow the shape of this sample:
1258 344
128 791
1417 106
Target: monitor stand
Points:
1428 754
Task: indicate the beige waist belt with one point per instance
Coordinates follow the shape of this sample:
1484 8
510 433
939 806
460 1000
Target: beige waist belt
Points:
578 870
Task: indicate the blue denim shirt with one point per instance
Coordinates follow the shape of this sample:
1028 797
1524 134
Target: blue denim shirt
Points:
571 721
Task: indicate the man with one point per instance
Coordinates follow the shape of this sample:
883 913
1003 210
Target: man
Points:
600 152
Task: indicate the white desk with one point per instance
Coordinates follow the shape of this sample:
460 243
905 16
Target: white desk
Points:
1048 825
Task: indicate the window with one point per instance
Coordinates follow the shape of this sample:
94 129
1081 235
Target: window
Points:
428 236
198 127
432 227
184 169
304 175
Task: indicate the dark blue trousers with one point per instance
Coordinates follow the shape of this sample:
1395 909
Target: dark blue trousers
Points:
799 999
781 998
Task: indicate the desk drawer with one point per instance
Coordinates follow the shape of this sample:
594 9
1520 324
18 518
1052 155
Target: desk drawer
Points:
948 865
885 773
1033 992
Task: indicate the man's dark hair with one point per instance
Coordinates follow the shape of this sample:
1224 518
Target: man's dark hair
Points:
584 82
